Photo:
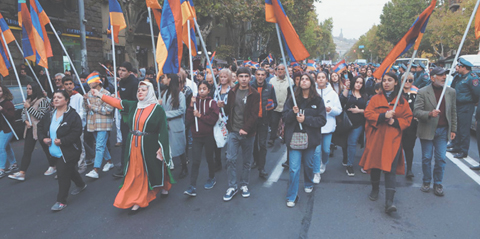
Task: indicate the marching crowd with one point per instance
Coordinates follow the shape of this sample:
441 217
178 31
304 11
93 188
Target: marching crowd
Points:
243 110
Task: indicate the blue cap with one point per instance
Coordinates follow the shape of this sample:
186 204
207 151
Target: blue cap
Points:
422 65
377 65
433 65
463 62
404 67
395 68
414 65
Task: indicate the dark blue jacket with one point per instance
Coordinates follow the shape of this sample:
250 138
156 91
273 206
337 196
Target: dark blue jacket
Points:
267 93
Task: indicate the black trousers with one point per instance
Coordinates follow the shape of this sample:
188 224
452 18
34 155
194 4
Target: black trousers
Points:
28 150
67 172
390 177
260 145
208 143
408 143
274 120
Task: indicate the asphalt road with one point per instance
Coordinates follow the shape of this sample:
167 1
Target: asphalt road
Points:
337 208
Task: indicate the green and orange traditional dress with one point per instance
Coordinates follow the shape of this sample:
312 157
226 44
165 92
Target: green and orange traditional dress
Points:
145 175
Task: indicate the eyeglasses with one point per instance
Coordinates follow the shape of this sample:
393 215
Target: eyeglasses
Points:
410 80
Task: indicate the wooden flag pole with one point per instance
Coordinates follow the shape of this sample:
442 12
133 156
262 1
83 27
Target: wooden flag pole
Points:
454 63
16 73
29 66
286 71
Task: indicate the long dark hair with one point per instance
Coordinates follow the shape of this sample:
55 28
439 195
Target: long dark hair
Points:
397 87
341 82
352 85
7 95
173 90
312 93
36 91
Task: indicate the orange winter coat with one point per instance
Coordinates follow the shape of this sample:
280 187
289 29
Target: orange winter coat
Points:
383 141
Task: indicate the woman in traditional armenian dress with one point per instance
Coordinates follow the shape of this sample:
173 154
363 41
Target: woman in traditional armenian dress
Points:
148 153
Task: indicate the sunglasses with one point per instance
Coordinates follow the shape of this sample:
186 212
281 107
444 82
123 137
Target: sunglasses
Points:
410 80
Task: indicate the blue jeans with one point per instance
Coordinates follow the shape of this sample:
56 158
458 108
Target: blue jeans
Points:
440 143
352 140
101 151
6 152
296 158
325 152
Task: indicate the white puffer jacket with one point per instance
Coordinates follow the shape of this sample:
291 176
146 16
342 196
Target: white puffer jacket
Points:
331 99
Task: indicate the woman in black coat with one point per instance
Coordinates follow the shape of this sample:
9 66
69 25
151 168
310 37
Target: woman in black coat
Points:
60 130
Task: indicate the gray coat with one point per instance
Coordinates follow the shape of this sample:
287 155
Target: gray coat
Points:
427 102
176 124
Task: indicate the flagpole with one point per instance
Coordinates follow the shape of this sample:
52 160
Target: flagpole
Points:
16 74
29 66
114 61
404 80
285 64
49 79
191 69
68 56
10 126
454 63
208 65
153 40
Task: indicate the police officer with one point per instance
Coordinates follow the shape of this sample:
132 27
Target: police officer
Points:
467 89
401 70
421 77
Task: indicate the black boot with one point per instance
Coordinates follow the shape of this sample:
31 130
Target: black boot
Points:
389 195
409 174
184 171
375 189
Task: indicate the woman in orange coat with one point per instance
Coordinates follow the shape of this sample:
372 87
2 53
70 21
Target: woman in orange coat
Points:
383 132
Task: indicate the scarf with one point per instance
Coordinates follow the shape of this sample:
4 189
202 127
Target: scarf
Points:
150 98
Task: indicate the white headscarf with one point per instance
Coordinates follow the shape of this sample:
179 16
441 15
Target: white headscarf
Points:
150 98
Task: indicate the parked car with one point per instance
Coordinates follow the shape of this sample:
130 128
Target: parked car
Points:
18 124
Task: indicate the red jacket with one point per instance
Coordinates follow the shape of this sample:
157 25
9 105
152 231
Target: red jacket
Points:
209 110
9 112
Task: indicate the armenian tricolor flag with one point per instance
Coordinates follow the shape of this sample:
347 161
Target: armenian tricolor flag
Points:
311 65
477 24
170 44
94 77
25 21
339 67
37 33
7 34
156 9
44 20
275 13
117 20
188 14
415 33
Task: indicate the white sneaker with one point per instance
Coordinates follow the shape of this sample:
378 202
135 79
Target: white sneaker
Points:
92 174
323 167
171 165
309 190
50 171
363 171
107 167
290 204
316 178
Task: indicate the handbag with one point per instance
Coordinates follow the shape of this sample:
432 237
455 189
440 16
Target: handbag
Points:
220 132
343 122
299 140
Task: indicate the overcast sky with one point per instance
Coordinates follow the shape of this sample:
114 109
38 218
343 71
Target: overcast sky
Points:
355 17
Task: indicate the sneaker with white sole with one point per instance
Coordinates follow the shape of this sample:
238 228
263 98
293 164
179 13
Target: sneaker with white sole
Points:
17 176
363 171
245 191
323 167
229 194
92 174
50 171
316 178
172 167
107 167
309 190
350 171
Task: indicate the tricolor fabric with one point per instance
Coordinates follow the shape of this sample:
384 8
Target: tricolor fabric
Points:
28 40
211 59
477 24
156 9
311 65
275 13
270 58
37 34
44 20
251 64
339 67
94 77
188 14
415 33
169 44
117 20
4 60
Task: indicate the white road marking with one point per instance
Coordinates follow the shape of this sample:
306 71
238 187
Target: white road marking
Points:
471 161
464 168
276 173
